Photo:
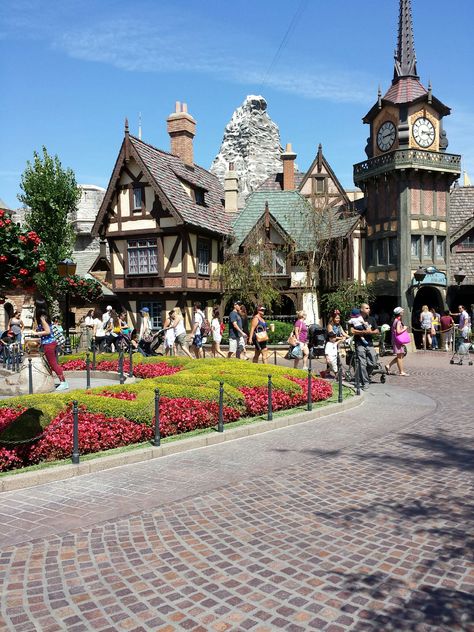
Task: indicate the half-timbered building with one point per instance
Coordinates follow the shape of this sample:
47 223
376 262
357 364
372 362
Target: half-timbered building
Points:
164 220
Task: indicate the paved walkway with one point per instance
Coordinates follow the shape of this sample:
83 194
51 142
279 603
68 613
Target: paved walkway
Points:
359 521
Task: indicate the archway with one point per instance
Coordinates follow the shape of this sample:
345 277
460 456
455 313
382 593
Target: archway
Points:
8 311
426 295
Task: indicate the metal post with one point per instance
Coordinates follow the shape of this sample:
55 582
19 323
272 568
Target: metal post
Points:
88 371
157 440
357 372
310 391
30 377
67 343
130 361
270 407
94 351
120 367
75 432
220 424
339 379
274 356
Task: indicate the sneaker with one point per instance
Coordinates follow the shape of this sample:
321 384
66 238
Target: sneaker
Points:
365 387
63 386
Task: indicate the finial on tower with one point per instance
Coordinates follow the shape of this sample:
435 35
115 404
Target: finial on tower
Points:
405 56
379 97
430 92
140 125
126 126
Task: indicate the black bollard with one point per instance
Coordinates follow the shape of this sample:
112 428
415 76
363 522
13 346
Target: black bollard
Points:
120 367
130 361
310 390
30 377
274 356
75 433
94 351
270 406
357 373
157 440
88 371
220 423
339 379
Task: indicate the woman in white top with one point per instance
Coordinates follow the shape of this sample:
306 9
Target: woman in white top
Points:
180 331
98 330
426 322
170 335
216 334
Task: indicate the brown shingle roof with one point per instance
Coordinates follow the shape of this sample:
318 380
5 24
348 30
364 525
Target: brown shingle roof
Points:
167 170
461 207
405 90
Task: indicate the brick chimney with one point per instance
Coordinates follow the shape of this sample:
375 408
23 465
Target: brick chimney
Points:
288 157
231 188
182 129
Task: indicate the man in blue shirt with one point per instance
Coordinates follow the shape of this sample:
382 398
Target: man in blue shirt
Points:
235 331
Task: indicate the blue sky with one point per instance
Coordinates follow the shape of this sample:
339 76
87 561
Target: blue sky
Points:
71 70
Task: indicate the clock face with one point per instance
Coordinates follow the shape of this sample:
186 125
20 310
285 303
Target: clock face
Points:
386 136
423 132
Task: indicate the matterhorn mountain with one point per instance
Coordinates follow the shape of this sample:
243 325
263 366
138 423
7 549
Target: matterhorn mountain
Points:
252 143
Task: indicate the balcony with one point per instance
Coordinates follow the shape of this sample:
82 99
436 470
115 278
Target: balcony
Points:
407 159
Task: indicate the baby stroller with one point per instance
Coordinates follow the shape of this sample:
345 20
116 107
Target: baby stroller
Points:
462 349
350 372
316 340
385 349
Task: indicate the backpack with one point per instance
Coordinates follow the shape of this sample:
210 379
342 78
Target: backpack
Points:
205 328
222 328
58 335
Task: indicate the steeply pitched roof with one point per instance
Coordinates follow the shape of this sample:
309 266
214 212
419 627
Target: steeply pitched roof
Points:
275 182
167 169
296 217
4 206
164 171
290 209
461 208
84 260
405 90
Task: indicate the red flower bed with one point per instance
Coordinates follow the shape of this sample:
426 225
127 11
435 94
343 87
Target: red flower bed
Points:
96 432
7 415
9 460
182 415
256 398
143 371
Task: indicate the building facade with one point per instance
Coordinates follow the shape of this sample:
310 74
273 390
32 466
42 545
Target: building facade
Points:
406 180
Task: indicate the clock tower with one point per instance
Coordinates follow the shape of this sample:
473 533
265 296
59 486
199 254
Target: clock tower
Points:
406 180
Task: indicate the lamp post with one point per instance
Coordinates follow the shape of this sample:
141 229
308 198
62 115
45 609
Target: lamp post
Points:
66 268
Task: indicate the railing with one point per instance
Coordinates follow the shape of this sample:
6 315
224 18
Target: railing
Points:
405 158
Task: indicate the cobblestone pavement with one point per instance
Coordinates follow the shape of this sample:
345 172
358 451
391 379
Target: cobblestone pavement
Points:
359 521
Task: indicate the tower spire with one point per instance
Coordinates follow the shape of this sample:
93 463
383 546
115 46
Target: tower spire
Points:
405 56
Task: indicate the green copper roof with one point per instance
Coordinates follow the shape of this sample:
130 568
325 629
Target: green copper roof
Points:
290 209
295 216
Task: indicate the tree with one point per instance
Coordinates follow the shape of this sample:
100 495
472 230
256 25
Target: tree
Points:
349 294
244 275
51 193
22 258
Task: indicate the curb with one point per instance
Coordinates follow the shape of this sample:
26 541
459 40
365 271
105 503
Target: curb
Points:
99 464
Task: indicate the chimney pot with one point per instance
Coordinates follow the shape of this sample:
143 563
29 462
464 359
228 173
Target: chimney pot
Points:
178 106
185 108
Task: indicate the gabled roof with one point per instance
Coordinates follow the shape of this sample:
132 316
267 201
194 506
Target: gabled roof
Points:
461 208
163 171
4 206
275 182
336 223
288 208
319 163
462 230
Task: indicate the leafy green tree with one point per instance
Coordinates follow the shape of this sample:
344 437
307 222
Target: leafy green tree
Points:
348 295
51 193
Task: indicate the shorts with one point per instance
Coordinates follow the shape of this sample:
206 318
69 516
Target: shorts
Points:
233 345
181 340
197 341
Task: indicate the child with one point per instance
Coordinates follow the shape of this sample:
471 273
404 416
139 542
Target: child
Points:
357 322
330 351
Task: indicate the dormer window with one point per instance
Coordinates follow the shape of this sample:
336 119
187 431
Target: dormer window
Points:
199 196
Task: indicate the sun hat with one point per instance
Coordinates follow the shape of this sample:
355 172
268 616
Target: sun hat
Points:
145 310
109 308
398 310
